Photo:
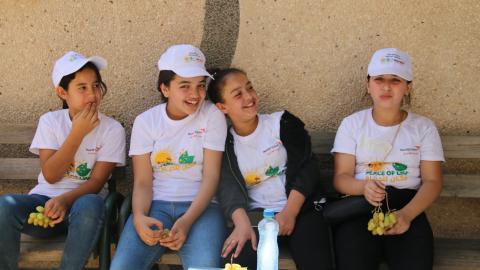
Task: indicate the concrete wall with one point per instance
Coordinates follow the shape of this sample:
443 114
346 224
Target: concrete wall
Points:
309 56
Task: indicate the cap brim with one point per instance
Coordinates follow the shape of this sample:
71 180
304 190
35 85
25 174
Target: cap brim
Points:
191 72
385 71
98 61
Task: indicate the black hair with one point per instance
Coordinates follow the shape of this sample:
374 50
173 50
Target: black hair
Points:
215 91
65 81
406 100
165 77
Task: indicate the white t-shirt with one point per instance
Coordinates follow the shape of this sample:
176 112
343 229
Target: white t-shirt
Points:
417 140
104 143
262 161
176 148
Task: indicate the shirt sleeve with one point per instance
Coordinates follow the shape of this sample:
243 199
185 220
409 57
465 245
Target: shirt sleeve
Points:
113 148
216 131
344 139
431 145
141 141
44 136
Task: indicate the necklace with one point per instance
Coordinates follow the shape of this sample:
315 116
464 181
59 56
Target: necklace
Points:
378 164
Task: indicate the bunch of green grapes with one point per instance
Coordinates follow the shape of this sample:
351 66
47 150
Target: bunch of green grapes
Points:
165 233
39 219
380 221
234 266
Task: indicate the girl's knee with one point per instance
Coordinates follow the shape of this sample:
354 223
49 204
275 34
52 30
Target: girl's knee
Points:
89 205
7 206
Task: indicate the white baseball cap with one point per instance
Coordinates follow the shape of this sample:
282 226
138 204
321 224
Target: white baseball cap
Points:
71 62
185 60
391 61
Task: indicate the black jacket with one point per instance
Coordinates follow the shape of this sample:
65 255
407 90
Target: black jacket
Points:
302 172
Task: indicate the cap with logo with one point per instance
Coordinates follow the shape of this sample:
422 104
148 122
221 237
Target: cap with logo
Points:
72 62
185 60
391 61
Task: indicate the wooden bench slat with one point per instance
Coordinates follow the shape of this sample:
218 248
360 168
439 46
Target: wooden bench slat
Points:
19 168
16 134
35 250
461 146
322 142
454 254
453 146
284 261
461 185
457 254
455 185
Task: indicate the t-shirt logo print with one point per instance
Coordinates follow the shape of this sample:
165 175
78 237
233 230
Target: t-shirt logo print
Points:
380 171
163 158
375 166
252 178
185 158
81 172
272 171
164 161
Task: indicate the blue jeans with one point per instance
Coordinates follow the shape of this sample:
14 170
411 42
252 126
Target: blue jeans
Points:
82 224
201 249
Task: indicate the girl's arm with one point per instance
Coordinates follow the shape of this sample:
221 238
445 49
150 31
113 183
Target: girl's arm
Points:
345 182
242 232
211 175
142 200
286 218
429 191
54 163
57 207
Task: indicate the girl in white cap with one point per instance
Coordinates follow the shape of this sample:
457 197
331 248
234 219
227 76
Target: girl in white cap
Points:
392 157
176 148
268 163
78 148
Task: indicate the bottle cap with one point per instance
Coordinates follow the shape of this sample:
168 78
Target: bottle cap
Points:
268 213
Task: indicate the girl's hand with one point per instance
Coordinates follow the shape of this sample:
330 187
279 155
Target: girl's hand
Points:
143 225
374 192
56 208
241 234
401 226
86 120
286 222
177 236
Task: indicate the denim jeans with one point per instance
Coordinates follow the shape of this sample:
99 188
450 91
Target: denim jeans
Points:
201 249
82 224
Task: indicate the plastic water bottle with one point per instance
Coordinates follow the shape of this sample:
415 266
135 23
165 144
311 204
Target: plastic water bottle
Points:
267 252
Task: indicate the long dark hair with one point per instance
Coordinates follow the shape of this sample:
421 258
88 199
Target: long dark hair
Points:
214 91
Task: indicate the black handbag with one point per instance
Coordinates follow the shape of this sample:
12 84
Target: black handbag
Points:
346 208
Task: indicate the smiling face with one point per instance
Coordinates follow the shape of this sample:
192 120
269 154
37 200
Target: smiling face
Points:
239 98
185 95
82 90
388 91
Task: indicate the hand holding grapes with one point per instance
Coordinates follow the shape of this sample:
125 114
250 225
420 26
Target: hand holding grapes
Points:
56 208
39 219
401 226
374 192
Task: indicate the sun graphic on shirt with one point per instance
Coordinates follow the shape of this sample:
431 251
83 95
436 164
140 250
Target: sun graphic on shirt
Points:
252 178
163 157
375 166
